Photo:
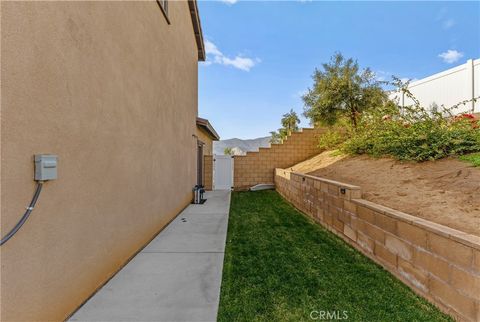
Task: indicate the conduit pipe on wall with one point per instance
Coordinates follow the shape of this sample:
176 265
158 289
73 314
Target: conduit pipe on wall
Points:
25 215
45 169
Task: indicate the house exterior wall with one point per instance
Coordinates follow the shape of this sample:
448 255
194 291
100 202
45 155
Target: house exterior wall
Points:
111 88
207 140
437 262
207 157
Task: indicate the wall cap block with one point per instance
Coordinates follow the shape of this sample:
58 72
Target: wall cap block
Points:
385 210
457 235
333 182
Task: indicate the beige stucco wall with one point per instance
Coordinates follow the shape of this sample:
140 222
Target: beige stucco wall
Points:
112 89
205 138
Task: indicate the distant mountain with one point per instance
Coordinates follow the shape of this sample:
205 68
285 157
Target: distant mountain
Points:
239 146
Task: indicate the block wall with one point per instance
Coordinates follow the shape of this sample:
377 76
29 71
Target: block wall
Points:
208 172
437 262
259 167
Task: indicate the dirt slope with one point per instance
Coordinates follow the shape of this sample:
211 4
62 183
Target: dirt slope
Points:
445 191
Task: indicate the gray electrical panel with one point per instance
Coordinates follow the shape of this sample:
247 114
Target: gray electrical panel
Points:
45 167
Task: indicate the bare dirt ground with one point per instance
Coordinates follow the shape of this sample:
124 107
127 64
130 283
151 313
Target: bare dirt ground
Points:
445 191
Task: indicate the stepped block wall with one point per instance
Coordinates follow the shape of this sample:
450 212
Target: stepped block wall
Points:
259 167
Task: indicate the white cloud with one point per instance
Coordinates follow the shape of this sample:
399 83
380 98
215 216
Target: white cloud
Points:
214 55
450 56
449 23
239 62
211 49
229 1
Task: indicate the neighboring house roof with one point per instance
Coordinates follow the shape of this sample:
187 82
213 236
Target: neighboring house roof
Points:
205 125
197 28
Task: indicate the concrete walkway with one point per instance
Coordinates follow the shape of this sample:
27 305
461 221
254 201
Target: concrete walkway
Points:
176 277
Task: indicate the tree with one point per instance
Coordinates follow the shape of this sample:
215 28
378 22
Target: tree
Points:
341 89
228 151
275 137
289 123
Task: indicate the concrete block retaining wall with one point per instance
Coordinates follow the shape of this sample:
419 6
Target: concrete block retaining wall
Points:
208 172
259 167
437 262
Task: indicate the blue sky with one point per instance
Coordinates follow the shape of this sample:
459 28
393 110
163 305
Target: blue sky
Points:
261 55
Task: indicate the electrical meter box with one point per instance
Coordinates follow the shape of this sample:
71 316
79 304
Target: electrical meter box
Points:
45 167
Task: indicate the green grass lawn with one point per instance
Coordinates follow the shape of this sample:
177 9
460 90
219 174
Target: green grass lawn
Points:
281 266
473 158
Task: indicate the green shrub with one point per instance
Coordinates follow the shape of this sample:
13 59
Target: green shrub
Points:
335 136
407 133
419 141
413 133
473 158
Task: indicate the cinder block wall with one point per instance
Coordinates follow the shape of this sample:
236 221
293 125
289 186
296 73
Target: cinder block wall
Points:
259 167
437 262
208 172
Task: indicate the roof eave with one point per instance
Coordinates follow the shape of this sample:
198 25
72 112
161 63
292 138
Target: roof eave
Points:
197 29
205 124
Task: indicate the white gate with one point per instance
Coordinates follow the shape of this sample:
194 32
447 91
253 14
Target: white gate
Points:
222 172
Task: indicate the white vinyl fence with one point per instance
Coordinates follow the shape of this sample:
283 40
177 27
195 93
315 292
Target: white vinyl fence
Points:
222 172
447 88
